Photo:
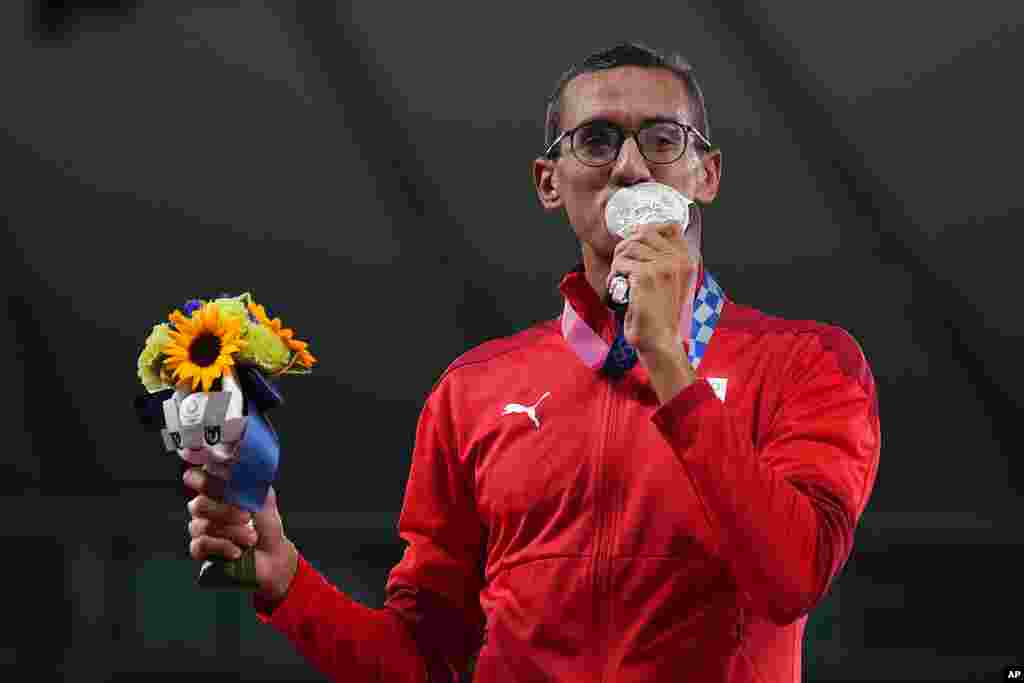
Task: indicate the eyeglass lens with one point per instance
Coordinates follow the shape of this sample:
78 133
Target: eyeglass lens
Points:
598 143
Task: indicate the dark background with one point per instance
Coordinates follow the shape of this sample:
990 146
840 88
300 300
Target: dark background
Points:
364 170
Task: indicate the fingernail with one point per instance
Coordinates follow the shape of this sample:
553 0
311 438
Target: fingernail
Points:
235 553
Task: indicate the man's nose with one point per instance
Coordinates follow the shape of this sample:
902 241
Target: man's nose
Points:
630 167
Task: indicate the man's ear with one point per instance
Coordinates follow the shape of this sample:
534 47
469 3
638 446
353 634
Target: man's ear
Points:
546 183
707 188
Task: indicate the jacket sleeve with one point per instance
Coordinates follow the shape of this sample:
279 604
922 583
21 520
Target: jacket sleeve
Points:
782 506
341 637
431 623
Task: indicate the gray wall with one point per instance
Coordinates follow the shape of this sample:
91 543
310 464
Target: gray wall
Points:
364 169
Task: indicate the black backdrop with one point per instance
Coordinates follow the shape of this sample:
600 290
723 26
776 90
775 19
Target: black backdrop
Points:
364 170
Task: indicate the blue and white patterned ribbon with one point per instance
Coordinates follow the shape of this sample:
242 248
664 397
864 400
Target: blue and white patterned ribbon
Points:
707 309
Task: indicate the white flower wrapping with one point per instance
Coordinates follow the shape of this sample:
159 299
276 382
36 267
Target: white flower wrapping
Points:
206 428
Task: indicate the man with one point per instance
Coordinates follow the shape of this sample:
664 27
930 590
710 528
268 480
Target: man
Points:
606 499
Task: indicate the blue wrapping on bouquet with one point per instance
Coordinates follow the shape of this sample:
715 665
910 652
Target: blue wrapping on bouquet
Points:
259 453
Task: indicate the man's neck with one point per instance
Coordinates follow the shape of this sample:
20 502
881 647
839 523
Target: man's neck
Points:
596 269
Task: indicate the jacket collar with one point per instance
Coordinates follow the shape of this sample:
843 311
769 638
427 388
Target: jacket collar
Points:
588 325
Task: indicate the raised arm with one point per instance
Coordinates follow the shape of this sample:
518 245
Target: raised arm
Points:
783 510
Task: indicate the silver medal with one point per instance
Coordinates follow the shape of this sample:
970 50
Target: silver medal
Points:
644 203
641 204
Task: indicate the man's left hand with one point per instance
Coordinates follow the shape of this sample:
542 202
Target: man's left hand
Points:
658 264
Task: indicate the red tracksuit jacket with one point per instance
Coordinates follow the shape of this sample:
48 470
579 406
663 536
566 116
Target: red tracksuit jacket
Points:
600 537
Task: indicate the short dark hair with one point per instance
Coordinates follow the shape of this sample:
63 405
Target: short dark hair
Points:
628 54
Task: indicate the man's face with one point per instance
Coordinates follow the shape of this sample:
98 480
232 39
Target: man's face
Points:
627 96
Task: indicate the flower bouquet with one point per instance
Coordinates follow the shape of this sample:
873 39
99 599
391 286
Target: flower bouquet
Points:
208 376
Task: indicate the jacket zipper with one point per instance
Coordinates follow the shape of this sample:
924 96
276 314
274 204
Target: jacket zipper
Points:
602 560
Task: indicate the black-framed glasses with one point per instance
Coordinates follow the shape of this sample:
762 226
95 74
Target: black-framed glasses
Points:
598 143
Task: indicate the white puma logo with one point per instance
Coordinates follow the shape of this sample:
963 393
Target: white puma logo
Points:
531 411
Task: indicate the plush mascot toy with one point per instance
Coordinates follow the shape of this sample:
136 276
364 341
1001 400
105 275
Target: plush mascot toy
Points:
208 375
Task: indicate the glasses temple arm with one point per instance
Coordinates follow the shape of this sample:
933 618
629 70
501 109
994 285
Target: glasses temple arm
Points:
547 152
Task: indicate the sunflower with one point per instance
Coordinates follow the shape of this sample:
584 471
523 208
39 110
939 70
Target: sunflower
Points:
302 356
202 345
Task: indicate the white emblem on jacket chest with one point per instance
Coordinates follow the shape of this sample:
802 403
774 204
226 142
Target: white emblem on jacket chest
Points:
531 411
718 385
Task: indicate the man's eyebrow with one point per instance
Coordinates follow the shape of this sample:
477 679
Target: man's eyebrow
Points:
661 119
600 118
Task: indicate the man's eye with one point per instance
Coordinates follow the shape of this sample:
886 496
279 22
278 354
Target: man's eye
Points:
598 140
663 135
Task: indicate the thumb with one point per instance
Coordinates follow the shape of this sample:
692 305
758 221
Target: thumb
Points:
268 523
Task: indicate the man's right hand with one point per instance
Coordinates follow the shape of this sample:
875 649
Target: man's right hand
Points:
221 530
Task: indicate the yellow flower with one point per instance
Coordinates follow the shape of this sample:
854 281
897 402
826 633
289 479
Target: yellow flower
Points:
150 365
265 349
201 349
235 307
302 356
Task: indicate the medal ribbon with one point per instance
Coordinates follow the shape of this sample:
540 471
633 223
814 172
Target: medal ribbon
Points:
617 358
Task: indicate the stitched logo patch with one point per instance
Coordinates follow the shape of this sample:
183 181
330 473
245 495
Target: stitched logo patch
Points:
531 411
718 385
